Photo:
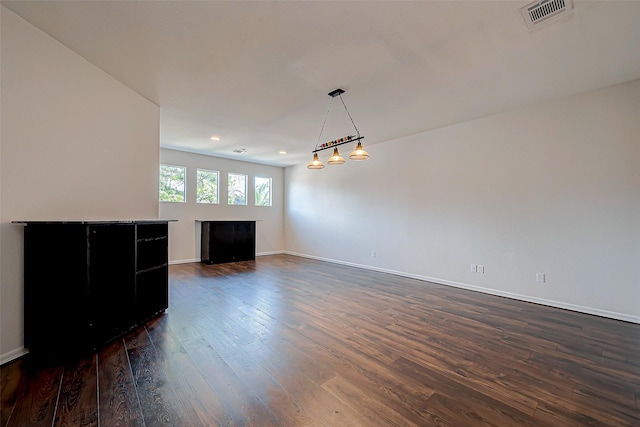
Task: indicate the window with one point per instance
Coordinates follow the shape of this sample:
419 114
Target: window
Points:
237 189
172 179
263 191
206 186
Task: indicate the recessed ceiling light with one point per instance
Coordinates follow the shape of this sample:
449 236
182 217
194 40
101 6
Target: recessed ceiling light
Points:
282 152
215 138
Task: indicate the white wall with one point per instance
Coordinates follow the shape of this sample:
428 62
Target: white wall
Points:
76 144
184 235
552 188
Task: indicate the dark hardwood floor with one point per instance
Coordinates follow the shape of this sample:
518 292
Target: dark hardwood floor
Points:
289 341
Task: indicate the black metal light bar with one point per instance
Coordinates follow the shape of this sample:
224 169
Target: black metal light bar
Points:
338 143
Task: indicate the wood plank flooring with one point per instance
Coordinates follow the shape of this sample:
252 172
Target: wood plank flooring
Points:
288 341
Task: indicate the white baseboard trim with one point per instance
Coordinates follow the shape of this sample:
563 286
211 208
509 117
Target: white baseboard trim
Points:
269 253
188 261
12 355
184 261
526 298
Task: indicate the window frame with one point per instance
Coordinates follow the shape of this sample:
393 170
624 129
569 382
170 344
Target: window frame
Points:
184 183
217 195
246 188
255 188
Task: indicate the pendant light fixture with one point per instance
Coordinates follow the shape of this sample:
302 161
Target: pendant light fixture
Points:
359 153
315 163
336 159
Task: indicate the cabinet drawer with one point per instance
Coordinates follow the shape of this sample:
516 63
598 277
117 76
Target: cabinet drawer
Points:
151 253
152 231
151 292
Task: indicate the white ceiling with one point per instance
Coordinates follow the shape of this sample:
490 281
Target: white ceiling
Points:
257 74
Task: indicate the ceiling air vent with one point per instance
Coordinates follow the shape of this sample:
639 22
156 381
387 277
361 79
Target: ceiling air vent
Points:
540 11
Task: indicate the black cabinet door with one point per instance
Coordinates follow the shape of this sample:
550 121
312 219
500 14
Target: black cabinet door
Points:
58 317
112 278
221 242
245 238
152 293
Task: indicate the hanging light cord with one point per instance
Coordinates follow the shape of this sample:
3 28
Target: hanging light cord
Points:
325 121
349 114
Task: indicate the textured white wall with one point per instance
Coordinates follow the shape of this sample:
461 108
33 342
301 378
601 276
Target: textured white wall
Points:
76 144
184 235
553 188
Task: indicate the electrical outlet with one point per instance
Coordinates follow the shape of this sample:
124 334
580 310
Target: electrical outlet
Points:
541 277
474 268
480 268
373 254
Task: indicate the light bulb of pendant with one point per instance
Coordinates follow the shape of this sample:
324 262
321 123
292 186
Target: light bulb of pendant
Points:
359 153
336 159
315 163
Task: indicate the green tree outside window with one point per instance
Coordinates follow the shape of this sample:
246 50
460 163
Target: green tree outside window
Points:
206 186
237 189
172 180
263 191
